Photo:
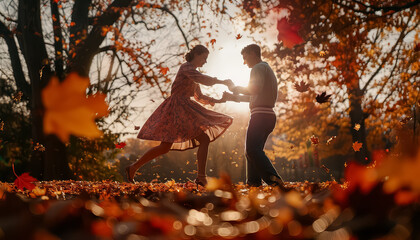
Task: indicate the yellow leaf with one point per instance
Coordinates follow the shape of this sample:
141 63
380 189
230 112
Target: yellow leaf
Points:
69 111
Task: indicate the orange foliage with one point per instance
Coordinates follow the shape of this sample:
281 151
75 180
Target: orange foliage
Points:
357 146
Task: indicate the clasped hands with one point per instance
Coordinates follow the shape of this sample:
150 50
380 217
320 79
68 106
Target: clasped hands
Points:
226 95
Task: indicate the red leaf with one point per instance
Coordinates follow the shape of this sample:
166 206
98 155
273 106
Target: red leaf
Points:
314 140
213 41
120 145
136 127
288 33
239 36
25 181
417 47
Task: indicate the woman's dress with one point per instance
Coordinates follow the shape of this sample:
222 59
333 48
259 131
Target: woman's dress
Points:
179 119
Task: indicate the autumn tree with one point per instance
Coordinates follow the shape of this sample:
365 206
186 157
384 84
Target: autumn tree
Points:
362 52
122 45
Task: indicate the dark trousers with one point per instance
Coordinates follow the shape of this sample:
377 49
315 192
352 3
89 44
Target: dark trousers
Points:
259 167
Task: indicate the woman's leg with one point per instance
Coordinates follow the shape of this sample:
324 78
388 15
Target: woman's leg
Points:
202 157
149 155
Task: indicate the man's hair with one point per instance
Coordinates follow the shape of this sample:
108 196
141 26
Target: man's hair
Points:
254 48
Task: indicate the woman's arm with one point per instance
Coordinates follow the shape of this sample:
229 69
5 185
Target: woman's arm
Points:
200 78
201 98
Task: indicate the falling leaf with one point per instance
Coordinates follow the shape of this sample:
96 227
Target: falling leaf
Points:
69 111
417 47
302 86
213 41
357 127
39 147
323 97
288 34
120 145
25 181
17 97
164 70
322 53
314 140
1 126
136 127
331 139
239 36
357 146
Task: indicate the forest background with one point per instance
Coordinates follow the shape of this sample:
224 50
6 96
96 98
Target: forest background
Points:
365 55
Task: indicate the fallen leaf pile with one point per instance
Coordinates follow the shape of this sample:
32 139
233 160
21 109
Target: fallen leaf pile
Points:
172 210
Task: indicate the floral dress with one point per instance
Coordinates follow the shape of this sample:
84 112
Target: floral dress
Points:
179 119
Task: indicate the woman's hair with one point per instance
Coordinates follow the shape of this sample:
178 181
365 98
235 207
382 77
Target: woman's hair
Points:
197 50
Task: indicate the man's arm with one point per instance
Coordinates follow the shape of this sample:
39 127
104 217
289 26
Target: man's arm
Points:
235 97
256 82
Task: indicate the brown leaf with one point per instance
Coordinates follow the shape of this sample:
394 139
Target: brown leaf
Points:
323 97
302 86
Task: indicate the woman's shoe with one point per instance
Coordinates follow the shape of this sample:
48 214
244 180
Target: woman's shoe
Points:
127 173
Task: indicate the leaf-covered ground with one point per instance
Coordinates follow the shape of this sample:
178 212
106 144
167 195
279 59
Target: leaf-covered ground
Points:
171 210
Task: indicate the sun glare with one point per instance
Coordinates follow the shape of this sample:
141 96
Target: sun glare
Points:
225 62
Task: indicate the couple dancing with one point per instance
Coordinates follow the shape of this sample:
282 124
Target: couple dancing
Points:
180 123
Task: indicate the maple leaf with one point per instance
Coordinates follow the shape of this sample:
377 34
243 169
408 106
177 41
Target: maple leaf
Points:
314 140
323 97
357 127
213 41
239 36
24 180
302 86
120 145
69 111
288 33
357 146
136 127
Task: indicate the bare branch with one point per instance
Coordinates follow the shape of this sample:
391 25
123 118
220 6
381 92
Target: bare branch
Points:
372 9
165 9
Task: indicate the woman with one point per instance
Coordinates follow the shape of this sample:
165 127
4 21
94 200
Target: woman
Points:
180 123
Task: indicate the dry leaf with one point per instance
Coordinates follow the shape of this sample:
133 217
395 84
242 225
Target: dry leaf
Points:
357 146
302 86
314 140
69 111
25 181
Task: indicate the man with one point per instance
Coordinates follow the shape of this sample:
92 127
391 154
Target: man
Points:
261 93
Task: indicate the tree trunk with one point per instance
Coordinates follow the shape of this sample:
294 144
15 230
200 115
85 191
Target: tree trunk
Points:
357 116
35 54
